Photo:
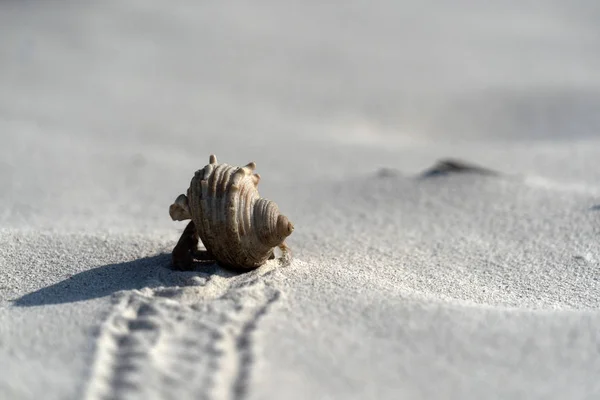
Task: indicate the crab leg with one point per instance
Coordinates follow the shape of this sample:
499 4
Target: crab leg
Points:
182 257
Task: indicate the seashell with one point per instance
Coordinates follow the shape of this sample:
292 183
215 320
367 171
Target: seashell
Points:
237 226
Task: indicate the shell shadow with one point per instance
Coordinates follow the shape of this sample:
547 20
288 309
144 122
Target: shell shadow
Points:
102 281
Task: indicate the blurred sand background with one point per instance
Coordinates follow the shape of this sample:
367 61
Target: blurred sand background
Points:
402 285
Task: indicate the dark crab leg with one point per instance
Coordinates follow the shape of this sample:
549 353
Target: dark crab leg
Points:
203 255
187 245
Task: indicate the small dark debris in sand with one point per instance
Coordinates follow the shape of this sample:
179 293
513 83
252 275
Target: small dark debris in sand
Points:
449 166
387 173
595 208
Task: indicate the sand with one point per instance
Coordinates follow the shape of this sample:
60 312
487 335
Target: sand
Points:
408 280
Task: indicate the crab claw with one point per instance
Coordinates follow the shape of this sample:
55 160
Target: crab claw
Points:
179 211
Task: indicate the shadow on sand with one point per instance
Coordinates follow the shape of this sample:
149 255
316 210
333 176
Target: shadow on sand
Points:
595 208
105 280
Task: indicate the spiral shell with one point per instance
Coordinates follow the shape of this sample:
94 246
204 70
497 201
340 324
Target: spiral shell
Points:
237 226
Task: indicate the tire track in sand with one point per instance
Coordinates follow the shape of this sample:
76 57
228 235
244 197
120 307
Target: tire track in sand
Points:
174 342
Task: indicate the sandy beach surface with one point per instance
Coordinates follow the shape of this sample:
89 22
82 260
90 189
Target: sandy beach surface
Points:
410 278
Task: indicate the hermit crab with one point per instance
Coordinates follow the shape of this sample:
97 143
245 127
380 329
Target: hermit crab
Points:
239 228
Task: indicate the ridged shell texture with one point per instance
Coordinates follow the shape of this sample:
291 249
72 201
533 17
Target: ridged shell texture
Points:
234 223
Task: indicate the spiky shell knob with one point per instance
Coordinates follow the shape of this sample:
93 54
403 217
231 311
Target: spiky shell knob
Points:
238 227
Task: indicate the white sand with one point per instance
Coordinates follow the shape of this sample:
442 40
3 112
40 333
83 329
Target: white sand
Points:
402 286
